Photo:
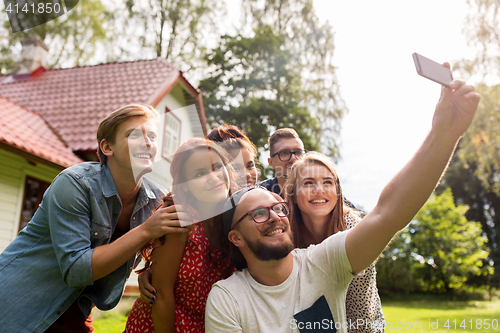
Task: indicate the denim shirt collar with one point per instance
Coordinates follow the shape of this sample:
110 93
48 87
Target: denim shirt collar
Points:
147 189
108 184
109 189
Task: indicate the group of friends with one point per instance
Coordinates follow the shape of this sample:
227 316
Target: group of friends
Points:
223 252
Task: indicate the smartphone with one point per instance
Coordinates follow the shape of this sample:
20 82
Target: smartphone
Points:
432 70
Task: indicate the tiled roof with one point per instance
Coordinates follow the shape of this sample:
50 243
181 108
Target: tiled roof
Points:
74 100
27 131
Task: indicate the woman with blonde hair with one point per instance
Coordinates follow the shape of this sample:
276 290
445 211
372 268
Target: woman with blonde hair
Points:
318 210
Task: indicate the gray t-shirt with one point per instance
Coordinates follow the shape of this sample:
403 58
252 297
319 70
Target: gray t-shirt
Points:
241 304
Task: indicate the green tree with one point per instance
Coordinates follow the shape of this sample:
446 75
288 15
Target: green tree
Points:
480 145
443 249
474 171
306 55
311 44
473 174
72 38
394 267
251 84
177 30
482 30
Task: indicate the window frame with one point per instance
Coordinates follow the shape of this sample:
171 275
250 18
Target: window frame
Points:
168 157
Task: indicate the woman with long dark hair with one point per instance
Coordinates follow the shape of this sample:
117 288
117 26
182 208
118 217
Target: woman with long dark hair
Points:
185 265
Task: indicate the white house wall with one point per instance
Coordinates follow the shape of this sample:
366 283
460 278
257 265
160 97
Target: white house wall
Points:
175 102
13 172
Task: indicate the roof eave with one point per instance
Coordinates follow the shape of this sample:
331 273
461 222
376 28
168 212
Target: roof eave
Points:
32 158
166 88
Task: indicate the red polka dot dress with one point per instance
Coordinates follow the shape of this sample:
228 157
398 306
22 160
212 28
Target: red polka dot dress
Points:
196 276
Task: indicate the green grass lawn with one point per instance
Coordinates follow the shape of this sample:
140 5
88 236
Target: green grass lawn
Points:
417 315
442 316
110 322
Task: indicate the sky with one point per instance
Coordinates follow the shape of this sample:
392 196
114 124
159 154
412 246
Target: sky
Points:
390 105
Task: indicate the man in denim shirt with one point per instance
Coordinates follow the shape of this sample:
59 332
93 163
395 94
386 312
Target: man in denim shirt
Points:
80 246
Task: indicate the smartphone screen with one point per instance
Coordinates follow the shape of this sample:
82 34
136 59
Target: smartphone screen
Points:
432 70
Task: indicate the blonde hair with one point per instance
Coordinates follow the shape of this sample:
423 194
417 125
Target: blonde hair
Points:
336 222
109 125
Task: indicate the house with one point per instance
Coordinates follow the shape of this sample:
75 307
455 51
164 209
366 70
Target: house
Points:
50 118
31 155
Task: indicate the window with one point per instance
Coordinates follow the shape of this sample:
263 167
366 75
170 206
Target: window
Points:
33 193
171 135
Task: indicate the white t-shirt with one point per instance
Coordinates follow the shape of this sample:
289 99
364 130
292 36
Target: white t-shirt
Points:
241 304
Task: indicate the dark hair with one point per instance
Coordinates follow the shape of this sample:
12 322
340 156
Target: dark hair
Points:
183 153
225 132
231 137
282 133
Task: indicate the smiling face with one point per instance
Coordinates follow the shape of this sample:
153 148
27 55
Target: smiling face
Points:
134 148
244 167
316 191
282 168
271 240
206 177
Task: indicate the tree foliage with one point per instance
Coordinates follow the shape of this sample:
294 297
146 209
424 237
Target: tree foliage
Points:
176 30
72 38
474 172
394 267
253 86
482 30
291 79
441 251
480 145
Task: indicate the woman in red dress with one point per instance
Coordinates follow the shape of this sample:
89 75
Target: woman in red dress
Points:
180 298
185 265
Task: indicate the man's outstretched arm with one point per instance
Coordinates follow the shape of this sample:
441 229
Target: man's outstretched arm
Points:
406 193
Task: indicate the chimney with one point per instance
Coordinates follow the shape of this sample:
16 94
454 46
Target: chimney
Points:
33 55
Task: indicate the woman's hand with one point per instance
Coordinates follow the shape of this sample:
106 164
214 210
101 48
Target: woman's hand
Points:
145 288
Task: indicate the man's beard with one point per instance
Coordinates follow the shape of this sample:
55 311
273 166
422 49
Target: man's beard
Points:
267 252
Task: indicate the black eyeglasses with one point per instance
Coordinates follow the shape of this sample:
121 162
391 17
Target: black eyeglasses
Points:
263 214
286 155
